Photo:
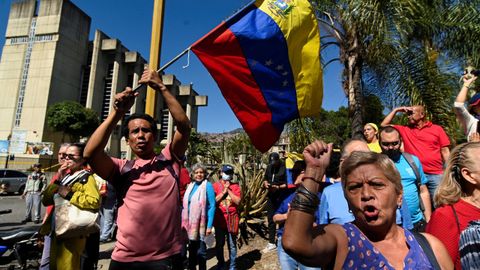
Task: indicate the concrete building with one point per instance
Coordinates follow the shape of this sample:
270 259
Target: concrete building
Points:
48 58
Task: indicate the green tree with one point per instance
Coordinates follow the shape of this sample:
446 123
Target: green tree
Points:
72 119
200 148
240 144
330 126
373 109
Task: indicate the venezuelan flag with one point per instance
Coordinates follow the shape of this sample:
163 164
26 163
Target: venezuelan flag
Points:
266 62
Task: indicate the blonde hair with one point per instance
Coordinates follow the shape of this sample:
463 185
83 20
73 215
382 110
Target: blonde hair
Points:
382 162
452 186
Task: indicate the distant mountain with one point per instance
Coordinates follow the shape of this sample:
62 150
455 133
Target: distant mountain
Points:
219 137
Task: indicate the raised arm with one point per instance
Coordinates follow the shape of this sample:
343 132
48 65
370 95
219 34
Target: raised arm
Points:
313 247
463 116
462 94
180 138
94 152
388 119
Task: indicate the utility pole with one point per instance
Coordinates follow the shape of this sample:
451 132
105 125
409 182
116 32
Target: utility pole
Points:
155 50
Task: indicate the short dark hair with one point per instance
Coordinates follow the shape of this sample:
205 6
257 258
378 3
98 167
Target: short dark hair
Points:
388 129
144 116
333 169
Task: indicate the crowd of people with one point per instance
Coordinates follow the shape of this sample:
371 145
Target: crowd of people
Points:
395 199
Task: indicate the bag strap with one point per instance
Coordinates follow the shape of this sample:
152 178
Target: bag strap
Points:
456 218
418 183
71 179
129 165
425 245
169 166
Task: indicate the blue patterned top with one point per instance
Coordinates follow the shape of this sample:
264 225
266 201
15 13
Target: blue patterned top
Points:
363 255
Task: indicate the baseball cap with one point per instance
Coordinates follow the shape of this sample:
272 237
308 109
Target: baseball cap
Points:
474 100
228 169
273 157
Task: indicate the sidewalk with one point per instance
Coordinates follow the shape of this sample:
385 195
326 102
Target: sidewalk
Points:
248 256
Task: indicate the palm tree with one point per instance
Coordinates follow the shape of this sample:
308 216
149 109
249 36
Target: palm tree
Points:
427 65
394 48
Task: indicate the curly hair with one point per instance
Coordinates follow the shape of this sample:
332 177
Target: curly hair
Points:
453 185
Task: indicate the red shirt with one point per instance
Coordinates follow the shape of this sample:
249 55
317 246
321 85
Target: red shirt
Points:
184 181
226 206
443 225
425 143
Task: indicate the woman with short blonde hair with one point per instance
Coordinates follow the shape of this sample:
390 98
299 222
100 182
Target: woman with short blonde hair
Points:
457 198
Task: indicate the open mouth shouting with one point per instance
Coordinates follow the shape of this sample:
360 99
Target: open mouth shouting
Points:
370 212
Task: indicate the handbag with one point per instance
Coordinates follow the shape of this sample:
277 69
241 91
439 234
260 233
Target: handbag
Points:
71 221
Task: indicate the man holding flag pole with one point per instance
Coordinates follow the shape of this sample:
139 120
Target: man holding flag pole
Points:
265 60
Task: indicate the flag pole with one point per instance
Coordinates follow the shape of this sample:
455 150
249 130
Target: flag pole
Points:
166 66
190 47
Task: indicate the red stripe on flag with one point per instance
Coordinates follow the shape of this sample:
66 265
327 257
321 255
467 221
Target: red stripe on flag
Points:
222 55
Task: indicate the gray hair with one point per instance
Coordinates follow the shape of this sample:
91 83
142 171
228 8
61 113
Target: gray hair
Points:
65 145
197 166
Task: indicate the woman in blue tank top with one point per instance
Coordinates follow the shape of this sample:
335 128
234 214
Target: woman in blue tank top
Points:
373 190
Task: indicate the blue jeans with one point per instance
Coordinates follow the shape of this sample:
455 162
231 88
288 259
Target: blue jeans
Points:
433 182
287 262
197 254
220 236
107 216
45 261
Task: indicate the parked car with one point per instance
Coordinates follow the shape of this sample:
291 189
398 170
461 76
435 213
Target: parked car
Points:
12 181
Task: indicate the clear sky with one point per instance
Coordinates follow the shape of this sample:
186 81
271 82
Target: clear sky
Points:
185 21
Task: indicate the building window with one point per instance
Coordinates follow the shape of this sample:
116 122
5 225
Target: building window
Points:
24 78
107 92
44 38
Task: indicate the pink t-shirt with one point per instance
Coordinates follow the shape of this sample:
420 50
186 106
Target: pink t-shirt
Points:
426 143
149 221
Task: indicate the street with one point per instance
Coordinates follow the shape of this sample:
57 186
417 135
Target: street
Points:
12 220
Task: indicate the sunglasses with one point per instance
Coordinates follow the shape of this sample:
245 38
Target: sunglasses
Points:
387 144
70 156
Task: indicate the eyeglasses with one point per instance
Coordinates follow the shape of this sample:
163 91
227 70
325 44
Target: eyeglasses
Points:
62 155
387 144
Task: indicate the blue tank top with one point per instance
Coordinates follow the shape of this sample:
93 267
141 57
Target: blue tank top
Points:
363 255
